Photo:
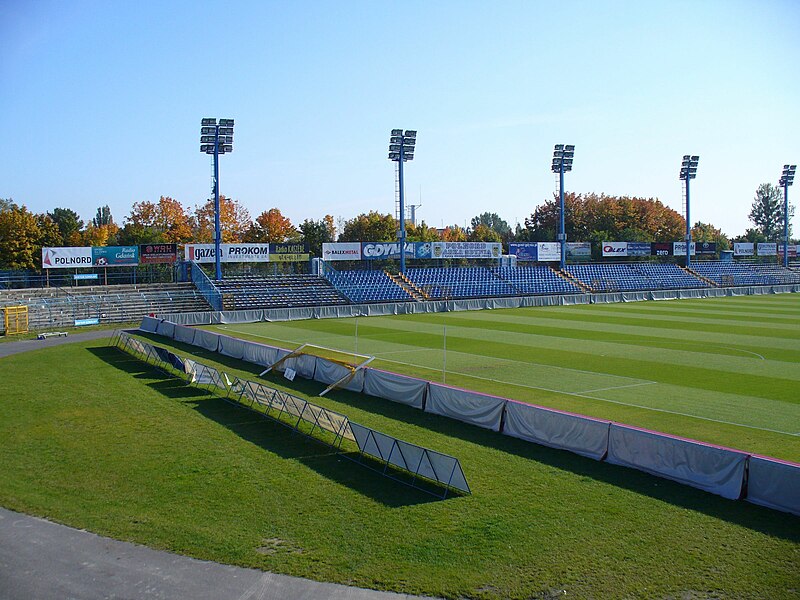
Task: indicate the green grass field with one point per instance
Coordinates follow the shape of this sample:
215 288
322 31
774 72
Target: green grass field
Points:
725 370
96 439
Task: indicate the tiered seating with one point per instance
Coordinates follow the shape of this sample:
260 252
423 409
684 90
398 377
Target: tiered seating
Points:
533 280
60 307
628 277
277 291
367 286
742 273
667 277
459 282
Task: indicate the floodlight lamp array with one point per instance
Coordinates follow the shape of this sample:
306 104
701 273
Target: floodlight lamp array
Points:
563 155
787 177
402 144
689 167
217 136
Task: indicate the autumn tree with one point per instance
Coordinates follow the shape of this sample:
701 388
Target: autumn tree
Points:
766 212
20 239
165 221
706 232
69 224
372 227
422 233
483 233
454 233
234 221
315 233
271 227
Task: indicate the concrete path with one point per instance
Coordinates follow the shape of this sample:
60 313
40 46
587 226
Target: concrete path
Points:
47 561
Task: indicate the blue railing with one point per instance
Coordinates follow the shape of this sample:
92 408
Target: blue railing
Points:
206 287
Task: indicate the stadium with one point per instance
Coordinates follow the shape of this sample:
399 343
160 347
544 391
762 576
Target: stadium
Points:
479 425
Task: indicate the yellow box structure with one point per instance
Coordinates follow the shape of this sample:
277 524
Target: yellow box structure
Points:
15 319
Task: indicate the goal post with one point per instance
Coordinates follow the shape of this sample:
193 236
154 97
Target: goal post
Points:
15 319
351 361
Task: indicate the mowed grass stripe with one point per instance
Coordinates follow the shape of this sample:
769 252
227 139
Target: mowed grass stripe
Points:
771 317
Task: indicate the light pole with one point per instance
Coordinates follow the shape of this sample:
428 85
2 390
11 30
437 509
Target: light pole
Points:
215 139
562 162
787 178
401 149
688 172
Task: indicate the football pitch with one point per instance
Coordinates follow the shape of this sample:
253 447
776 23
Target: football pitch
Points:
725 371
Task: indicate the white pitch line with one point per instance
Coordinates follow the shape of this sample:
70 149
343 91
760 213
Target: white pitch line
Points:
576 394
618 387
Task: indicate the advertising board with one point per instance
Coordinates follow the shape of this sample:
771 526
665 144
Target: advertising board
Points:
706 247
661 248
743 249
549 251
115 256
466 249
158 253
615 249
288 252
386 250
232 253
639 248
341 251
66 258
679 248
579 250
524 251
767 249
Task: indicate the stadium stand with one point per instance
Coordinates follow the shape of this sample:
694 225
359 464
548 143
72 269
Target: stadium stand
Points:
367 286
628 277
61 307
741 273
277 291
535 280
459 282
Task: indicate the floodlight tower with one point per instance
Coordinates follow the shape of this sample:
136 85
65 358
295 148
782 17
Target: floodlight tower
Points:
562 162
401 149
688 172
216 138
787 178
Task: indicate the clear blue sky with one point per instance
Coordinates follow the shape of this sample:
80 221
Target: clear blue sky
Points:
100 102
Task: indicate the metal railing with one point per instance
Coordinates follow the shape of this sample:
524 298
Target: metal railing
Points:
206 287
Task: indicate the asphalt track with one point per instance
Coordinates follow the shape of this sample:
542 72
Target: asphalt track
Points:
48 561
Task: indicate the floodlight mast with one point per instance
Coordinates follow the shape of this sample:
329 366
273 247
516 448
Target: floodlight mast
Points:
688 172
401 149
787 178
562 162
219 144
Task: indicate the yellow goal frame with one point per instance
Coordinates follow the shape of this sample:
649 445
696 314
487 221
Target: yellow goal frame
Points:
15 319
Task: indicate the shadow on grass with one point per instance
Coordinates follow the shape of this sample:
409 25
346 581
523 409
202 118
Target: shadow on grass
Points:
270 435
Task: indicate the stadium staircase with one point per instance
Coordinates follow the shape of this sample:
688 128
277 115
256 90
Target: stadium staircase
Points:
61 307
574 281
409 286
701 277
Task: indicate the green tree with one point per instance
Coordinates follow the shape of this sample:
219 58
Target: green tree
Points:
6 204
69 224
766 212
371 227
103 216
422 233
316 233
483 233
705 232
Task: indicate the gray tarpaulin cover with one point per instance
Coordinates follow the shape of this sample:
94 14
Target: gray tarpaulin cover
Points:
166 329
149 324
206 339
579 434
331 372
394 387
261 354
774 483
482 410
184 334
304 365
230 346
710 468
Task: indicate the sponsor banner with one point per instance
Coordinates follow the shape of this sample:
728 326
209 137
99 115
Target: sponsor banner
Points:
615 249
549 251
66 258
661 248
385 250
793 250
466 249
579 250
706 247
288 252
341 251
232 253
524 251
83 322
767 249
158 253
679 248
743 249
115 256
423 250
638 248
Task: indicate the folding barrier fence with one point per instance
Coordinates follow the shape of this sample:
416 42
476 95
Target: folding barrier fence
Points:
726 472
421 468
